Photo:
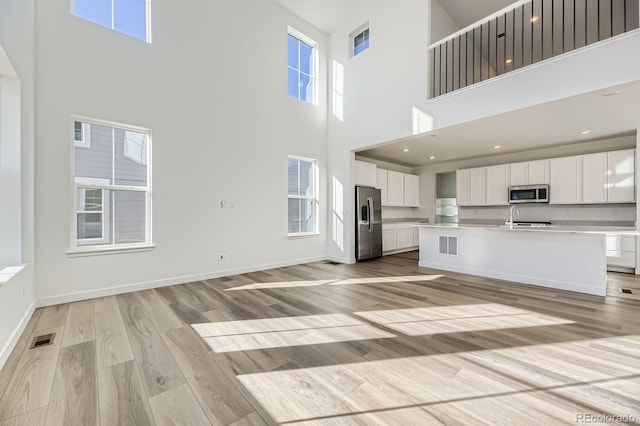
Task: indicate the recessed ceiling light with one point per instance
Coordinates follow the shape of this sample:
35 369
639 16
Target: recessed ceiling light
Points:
533 19
433 157
616 92
497 146
585 132
405 149
508 61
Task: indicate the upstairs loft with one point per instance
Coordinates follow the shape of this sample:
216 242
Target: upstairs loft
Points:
523 34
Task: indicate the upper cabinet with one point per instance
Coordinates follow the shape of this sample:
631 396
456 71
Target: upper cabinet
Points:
470 187
604 177
395 188
609 177
463 179
497 185
621 173
382 186
411 190
529 173
366 174
565 186
398 189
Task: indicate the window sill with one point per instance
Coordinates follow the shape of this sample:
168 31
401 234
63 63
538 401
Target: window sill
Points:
301 235
9 272
99 251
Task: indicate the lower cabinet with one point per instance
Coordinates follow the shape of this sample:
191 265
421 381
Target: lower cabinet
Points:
621 251
399 236
389 237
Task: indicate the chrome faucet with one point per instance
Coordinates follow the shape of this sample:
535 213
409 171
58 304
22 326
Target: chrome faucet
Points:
510 221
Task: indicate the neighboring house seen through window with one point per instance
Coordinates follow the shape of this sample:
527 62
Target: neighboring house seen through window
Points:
303 197
130 17
112 206
302 67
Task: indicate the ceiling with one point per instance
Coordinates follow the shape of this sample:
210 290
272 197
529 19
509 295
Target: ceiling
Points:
465 12
327 15
553 123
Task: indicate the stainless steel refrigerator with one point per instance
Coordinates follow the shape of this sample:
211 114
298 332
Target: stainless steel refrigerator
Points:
368 223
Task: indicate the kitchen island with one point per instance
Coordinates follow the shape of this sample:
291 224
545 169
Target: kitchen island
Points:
561 257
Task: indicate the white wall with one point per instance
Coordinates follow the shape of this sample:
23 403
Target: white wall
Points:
382 84
428 182
213 89
441 23
17 41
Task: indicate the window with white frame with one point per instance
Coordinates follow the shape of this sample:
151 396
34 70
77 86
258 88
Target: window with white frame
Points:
302 56
130 17
359 39
303 202
112 191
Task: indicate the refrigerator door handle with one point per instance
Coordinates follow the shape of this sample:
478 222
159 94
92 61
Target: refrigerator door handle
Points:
371 210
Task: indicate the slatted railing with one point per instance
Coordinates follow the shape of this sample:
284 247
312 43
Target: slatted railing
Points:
526 33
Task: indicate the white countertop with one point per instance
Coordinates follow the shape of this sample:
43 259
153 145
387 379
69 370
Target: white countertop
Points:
620 230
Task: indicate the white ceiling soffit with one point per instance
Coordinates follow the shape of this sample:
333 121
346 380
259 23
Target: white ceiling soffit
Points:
555 123
467 12
326 15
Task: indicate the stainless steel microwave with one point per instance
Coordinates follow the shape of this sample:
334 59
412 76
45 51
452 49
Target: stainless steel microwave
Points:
529 194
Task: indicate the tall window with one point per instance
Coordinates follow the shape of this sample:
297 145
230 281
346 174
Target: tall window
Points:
303 202
130 17
302 66
112 202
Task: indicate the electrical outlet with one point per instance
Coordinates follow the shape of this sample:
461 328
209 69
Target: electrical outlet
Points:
615 212
222 203
220 257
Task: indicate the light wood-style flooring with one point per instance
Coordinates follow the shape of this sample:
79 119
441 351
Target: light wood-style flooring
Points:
381 342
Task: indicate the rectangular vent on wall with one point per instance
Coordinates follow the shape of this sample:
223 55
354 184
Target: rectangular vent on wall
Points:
448 245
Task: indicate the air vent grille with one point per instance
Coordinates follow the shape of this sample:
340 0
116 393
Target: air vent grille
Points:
626 291
44 340
448 245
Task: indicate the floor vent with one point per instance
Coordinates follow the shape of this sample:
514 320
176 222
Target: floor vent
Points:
625 291
44 340
331 262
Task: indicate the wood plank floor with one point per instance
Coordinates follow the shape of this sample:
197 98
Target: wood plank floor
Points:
381 342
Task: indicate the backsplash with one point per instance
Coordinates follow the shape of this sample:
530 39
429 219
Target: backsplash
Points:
604 215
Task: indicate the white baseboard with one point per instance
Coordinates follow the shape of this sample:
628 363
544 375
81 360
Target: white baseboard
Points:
17 333
339 259
521 279
128 288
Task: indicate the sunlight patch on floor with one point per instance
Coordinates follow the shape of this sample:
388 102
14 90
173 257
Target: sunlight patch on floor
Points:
541 384
338 281
459 318
266 333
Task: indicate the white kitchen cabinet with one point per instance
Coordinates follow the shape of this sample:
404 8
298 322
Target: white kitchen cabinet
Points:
463 187
382 186
497 185
566 180
621 251
621 186
477 186
404 236
594 178
529 173
519 174
416 235
411 190
388 237
395 188
366 174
